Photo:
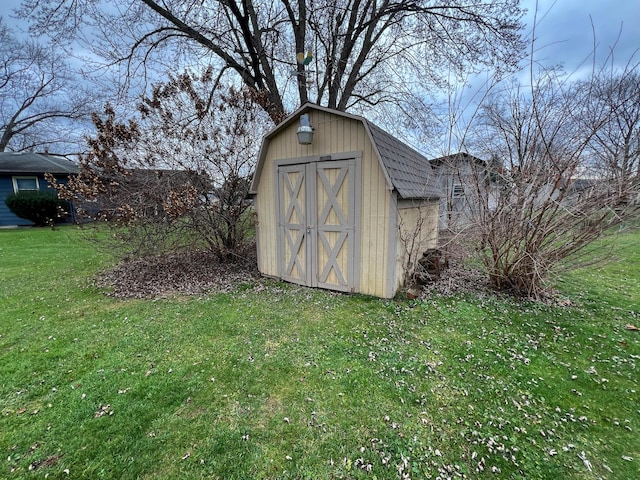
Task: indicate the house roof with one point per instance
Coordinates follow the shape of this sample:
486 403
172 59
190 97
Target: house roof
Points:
582 184
457 157
137 177
406 170
31 163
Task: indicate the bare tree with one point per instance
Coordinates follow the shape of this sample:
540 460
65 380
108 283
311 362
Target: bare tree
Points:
177 175
40 98
615 146
353 52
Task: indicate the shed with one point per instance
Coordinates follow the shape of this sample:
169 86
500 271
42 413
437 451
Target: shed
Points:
25 171
350 211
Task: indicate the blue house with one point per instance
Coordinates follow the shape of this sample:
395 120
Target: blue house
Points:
25 171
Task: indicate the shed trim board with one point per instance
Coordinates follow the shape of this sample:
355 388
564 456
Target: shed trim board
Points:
318 241
392 260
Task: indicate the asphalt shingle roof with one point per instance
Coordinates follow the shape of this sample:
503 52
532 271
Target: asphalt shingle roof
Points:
29 162
409 171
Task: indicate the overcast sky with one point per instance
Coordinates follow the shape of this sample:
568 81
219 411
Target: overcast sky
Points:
564 32
566 29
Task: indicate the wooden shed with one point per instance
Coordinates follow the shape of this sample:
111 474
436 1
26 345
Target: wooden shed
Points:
350 211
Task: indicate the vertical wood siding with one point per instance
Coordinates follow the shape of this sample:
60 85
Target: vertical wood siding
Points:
333 135
418 231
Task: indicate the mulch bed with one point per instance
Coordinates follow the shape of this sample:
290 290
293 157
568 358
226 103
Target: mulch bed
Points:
187 273
203 272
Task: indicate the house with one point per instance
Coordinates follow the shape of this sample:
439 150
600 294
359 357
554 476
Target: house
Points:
463 179
578 189
21 171
341 204
145 190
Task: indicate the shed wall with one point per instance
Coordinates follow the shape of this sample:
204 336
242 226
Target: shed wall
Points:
333 135
418 231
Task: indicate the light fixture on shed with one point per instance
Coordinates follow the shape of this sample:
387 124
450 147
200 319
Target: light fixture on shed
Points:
305 130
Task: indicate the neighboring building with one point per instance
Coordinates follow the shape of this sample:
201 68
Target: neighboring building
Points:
579 188
463 178
25 171
146 190
348 208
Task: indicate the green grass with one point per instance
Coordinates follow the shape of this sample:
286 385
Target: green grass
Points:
276 381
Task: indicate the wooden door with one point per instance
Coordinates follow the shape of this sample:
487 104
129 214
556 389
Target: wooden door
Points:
317 224
293 256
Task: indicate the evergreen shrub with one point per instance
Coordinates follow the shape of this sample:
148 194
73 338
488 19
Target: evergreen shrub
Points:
41 207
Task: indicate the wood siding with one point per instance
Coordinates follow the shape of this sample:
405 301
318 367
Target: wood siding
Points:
341 138
418 231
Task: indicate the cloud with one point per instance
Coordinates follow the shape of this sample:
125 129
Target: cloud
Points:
568 30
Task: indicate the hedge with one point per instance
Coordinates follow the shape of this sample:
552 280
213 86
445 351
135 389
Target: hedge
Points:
41 207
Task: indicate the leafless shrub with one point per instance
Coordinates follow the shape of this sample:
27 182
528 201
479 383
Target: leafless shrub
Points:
538 213
177 175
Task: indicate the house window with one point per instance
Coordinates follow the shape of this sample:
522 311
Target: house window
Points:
457 198
458 191
25 183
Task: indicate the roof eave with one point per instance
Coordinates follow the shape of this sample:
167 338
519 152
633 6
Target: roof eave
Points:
383 167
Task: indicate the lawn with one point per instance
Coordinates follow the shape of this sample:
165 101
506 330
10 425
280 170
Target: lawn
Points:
277 381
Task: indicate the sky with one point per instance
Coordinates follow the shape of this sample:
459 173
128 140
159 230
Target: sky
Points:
564 31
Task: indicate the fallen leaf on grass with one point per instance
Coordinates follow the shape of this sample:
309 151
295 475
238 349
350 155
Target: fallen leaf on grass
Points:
583 456
630 326
48 462
104 410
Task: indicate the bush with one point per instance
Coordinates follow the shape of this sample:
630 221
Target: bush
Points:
41 207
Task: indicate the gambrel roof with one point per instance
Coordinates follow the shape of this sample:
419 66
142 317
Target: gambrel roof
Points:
410 172
33 163
407 171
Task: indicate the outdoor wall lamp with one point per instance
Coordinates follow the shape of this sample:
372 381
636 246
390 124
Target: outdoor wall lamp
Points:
305 130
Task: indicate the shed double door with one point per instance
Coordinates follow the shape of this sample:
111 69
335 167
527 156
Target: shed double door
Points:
317 223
